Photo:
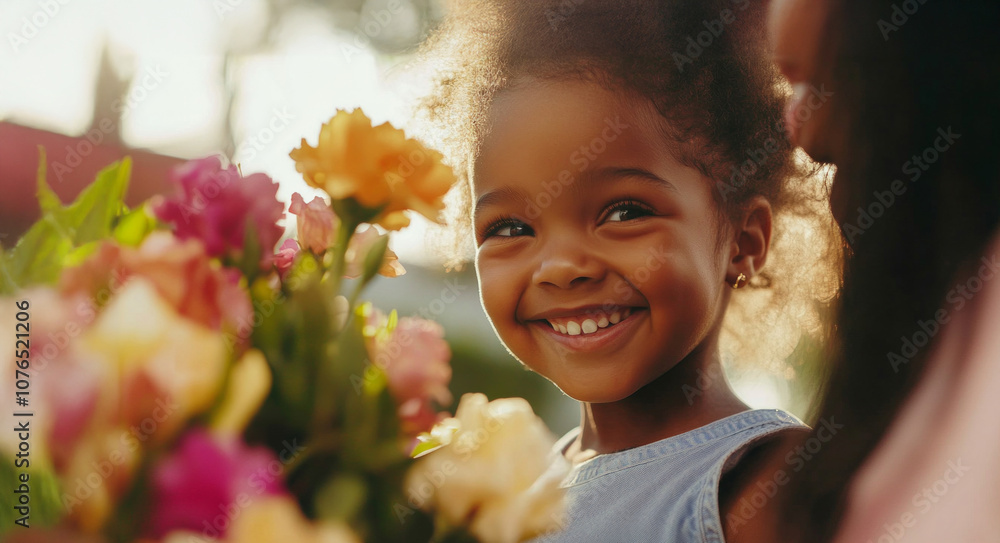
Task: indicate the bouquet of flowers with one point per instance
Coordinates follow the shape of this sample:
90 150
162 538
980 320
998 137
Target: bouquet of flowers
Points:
179 378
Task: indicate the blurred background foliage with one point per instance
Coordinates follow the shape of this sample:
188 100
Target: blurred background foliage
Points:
247 79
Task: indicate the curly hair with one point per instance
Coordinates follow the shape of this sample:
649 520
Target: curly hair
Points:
704 66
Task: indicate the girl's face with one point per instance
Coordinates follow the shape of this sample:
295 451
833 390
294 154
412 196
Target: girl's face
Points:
598 254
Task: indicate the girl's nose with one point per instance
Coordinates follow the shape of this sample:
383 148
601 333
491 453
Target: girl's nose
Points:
563 265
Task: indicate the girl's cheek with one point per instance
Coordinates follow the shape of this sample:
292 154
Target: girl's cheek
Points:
495 286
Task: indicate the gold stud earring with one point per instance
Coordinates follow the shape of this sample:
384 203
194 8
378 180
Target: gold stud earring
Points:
739 279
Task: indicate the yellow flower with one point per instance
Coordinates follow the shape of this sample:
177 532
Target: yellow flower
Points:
379 167
249 382
164 367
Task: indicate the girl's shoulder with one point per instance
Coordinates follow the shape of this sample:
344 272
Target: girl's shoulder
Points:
667 490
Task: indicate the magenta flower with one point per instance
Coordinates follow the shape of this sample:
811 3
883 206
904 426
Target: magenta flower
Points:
215 204
316 223
206 481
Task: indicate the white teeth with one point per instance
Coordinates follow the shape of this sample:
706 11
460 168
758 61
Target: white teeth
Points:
589 326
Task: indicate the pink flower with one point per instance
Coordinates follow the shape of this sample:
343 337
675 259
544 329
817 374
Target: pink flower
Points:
206 477
420 369
415 358
316 223
182 273
361 243
285 257
215 204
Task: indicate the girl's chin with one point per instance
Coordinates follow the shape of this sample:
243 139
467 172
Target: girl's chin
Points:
592 394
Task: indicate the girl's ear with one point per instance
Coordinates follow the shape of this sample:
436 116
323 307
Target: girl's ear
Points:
751 241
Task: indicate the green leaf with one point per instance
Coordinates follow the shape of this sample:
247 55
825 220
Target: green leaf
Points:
249 262
373 260
91 216
51 243
75 257
133 227
47 198
424 447
36 259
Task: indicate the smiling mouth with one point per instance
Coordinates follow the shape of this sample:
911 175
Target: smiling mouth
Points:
590 324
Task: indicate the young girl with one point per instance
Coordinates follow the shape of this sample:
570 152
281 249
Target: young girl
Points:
625 160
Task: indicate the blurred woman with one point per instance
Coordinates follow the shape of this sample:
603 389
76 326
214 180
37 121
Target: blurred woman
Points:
915 385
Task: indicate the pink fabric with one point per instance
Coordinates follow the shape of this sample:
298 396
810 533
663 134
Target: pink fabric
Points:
936 475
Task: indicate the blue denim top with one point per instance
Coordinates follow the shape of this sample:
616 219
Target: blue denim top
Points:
665 491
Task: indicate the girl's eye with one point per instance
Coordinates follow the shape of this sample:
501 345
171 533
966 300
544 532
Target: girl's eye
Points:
508 228
627 210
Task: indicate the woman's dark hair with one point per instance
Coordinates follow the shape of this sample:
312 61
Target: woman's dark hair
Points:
907 75
704 66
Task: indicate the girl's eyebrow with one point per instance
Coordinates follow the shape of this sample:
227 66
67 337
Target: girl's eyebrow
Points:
640 174
508 193
498 196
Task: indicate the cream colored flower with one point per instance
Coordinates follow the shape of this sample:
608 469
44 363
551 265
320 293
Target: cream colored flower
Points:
497 474
279 519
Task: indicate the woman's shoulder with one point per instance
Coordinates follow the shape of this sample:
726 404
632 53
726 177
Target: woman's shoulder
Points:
946 429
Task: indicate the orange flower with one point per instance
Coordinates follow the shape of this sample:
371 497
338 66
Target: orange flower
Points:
379 167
